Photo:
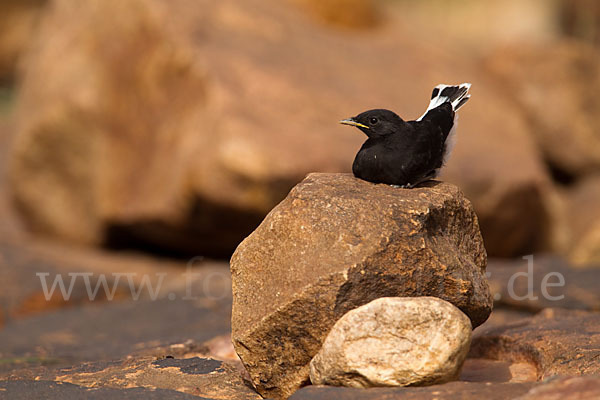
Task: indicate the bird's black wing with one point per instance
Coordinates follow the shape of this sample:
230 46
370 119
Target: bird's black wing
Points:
419 149
442 117
429 141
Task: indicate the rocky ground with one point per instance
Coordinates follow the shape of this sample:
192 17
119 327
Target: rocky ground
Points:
533 349
132 136
181 348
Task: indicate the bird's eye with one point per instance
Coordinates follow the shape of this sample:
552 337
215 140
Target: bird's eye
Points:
373 121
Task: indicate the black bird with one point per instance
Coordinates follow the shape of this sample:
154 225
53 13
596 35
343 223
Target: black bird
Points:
407 153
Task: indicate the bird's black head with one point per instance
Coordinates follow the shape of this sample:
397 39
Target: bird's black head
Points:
376 123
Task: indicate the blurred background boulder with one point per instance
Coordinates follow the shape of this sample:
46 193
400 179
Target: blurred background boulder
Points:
176 126
344 13
19 23
556 88
581 19
584 209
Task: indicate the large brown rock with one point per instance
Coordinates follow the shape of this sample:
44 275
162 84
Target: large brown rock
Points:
336 243
394 341
180 124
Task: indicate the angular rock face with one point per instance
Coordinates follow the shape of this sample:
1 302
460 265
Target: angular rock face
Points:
336 243
394 341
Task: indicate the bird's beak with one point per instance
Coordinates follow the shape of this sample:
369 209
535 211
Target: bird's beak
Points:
352 122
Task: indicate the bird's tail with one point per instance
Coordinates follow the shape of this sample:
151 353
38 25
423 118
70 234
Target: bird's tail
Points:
457 95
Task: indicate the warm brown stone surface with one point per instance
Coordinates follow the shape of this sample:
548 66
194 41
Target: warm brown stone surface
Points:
192 304
584 222
187 326
336 243
344 13
561 104
505 369
566 388
394 341
486 370
198 376
562 388
48 390
553 283
20 261
23 258
91 333
10 225
188 144
502 317
219 347
19 21
504 178
555 341
448 391
580 19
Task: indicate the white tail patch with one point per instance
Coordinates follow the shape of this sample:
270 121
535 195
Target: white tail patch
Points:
450 140
457 95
